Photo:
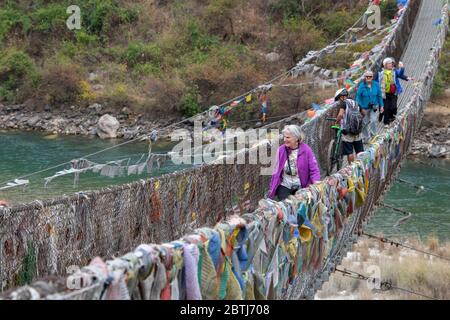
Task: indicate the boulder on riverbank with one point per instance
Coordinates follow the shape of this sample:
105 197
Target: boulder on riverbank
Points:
107 127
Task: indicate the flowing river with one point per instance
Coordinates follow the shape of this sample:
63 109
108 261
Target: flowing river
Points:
22 153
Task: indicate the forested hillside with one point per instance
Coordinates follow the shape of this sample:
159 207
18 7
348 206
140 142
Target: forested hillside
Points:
157 57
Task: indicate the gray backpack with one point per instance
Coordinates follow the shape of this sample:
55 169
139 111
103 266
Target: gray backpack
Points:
353 120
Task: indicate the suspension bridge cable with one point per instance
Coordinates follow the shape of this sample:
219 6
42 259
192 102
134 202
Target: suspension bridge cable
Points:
432 165
411 292
422 187
140 137
385 285
348 30
146 135
397 244
407 213
268 118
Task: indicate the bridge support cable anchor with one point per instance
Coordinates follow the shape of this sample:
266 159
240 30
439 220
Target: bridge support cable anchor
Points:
384 285
400 244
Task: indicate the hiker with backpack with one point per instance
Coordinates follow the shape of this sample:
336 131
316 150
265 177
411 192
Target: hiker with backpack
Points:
370 99
389 80
350 117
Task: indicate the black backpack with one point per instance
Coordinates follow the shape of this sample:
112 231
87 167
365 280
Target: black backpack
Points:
353 120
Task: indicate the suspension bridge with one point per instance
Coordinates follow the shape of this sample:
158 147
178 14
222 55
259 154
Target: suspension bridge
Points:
270 250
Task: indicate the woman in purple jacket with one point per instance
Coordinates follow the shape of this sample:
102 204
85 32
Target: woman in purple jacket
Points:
300 171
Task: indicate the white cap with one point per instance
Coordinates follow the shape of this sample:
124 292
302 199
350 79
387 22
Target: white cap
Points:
387 60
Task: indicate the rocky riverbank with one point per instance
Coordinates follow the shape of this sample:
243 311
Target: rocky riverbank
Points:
433 138
95 120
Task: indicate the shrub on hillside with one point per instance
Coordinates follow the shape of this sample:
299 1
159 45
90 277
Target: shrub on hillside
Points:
189 103
60 85
219 17
336 23
388 10
51 18
86 93
442 79
146 69
142 53
301 36
163 96
85 39
285 9
16 67
13 20
340 60
101 16
120 96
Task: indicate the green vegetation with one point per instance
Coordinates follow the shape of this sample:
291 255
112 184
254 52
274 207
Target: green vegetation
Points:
16 71
442 78
12 20
50 18
189 104
28 270
159 57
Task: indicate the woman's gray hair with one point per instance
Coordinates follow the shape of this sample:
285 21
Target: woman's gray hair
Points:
294 130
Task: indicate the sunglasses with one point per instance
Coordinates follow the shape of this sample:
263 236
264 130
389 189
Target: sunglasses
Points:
369 76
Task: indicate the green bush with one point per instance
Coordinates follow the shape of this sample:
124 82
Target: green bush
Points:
286 8
50 18
189 103
222 7
69 49
336 23
115 53
442 78
146 69
388 10
11 19
226 56
85 38
16 67
141 53
100 16
301 37
198 39
218 16
128 15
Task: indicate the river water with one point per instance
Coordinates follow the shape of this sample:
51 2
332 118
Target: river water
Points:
430 209
22 153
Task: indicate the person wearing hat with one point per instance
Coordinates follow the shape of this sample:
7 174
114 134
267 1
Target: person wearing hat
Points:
296 166
389 79
350 117
370 99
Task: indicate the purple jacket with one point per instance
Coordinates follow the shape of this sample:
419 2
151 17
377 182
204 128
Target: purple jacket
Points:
307 168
